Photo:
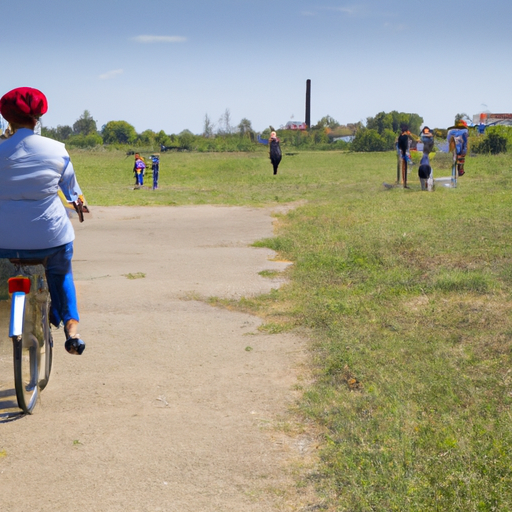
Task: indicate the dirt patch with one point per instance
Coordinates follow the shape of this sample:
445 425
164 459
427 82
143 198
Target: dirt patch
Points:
173 405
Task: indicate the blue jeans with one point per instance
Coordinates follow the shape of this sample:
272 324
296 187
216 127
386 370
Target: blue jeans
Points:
59 276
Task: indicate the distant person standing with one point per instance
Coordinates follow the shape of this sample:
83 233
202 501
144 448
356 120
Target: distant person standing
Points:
137 156
403 148
274 151
427 138
140 166
155 167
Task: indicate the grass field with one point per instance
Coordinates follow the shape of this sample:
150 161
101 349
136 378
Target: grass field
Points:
406 296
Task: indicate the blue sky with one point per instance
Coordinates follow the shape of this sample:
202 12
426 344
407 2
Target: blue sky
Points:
164 64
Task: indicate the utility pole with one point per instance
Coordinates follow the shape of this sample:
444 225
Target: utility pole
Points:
308 104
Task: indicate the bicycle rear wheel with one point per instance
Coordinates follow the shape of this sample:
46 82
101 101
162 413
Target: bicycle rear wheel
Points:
33 346
26 370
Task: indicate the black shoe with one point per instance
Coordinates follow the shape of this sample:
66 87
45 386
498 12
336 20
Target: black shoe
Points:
74 346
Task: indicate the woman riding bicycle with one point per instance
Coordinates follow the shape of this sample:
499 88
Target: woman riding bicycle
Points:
33 220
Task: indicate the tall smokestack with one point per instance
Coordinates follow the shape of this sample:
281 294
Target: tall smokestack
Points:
308 104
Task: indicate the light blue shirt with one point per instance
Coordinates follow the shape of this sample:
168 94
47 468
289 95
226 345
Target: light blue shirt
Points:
32 169
460 136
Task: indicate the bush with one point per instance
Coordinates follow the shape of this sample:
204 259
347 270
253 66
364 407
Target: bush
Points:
370 140
493 143
84 141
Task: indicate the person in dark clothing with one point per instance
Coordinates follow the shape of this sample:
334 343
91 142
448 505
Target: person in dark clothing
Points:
155 167
274 151
403 147
427 138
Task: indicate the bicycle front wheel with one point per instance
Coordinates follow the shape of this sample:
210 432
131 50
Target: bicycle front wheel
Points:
26 370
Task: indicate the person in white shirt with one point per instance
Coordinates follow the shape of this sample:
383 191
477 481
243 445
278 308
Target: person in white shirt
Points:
33 220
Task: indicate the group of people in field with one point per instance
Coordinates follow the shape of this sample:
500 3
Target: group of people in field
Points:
457 138
458 144
139 166
139 170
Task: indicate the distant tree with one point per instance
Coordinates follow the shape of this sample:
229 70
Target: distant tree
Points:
354 127
162 138
225 123
85 124
393 120
326 122
380 122
186 140
245 127
265 134
61 133
118 132
415 122
208 127
147 137
389 138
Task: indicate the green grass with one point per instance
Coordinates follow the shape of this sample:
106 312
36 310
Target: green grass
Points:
216 178
406 296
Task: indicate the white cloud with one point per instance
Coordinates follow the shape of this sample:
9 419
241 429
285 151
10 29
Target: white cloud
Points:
111 74
160 39
347 10
356 10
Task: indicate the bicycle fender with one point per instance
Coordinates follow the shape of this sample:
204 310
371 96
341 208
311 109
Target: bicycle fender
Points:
17 314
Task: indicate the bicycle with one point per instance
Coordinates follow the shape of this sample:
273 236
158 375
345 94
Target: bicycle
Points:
23 283
24 286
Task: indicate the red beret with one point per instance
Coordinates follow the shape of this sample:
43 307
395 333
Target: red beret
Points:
23 104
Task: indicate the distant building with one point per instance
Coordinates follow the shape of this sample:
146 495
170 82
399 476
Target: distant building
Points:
489 119
295 125
345 138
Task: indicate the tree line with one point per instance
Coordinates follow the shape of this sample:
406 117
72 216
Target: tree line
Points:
220 136
379 133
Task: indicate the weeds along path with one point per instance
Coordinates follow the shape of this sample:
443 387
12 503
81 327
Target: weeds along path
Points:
173 405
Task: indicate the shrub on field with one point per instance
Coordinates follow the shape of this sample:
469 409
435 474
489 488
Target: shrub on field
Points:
367 140
85 141
495 141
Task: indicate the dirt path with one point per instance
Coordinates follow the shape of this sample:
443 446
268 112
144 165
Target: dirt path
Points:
168 409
